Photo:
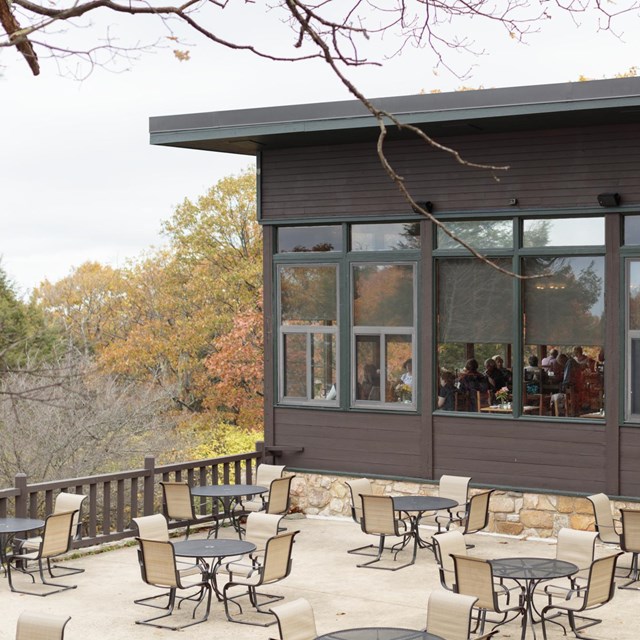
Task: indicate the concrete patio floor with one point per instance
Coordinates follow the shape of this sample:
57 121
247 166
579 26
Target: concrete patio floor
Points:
342 595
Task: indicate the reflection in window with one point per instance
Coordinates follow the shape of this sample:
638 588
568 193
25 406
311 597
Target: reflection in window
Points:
563 232
385 237
383 295
563 371
632 230
308 295
481 234
632 408
301 239
475 326
308 333
384 335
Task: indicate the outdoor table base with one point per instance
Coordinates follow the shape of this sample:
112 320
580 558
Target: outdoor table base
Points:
529 573
216 550
228 496
414 507
9 527
379 633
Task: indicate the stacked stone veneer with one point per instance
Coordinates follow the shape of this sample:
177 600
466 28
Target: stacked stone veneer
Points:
511 512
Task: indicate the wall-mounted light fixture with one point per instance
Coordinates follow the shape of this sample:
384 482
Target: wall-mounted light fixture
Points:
427 206
608 199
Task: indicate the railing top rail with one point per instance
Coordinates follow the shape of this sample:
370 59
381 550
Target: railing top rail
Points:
131 473
196 464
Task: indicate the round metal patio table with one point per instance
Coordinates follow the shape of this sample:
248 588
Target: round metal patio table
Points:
379 633
206 549
414 507
228 497
529 573
10 526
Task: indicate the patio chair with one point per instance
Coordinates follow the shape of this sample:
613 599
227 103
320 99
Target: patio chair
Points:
56 540
474 577
630 543
379 519
295 620
455 488
260 528
155 527
40 626
276 566
358 487
477 515
577 547
159 569
178 505
605 524
265 475
279 497
64 502
599 590
445 545
449 616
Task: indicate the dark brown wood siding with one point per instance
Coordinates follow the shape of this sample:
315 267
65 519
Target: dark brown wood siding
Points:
548 169
361 443
630 461
529 454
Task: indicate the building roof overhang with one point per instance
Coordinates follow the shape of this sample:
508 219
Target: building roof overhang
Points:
247 131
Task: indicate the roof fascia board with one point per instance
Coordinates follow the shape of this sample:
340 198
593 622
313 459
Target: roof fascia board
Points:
255 130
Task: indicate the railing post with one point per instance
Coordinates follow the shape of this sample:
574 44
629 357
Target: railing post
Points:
260 450
149 485
20 481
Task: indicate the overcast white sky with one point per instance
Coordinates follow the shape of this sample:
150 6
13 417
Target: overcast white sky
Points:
79 180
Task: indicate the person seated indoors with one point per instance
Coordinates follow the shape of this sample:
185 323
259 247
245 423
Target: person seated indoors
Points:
493 375
548 361
583 359
503 374
447 391
533 375
471 380
369 388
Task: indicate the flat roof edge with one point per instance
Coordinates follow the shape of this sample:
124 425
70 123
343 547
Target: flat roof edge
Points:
248 130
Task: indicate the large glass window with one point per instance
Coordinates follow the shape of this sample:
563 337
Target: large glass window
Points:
308 333
475 329
383 311
564 335
553 310
632 408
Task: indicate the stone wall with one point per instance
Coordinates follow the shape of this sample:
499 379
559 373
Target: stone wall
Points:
511 512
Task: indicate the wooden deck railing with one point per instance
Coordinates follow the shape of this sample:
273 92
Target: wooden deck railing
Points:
114 498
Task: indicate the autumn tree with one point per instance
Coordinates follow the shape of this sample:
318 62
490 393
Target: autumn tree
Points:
85 305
